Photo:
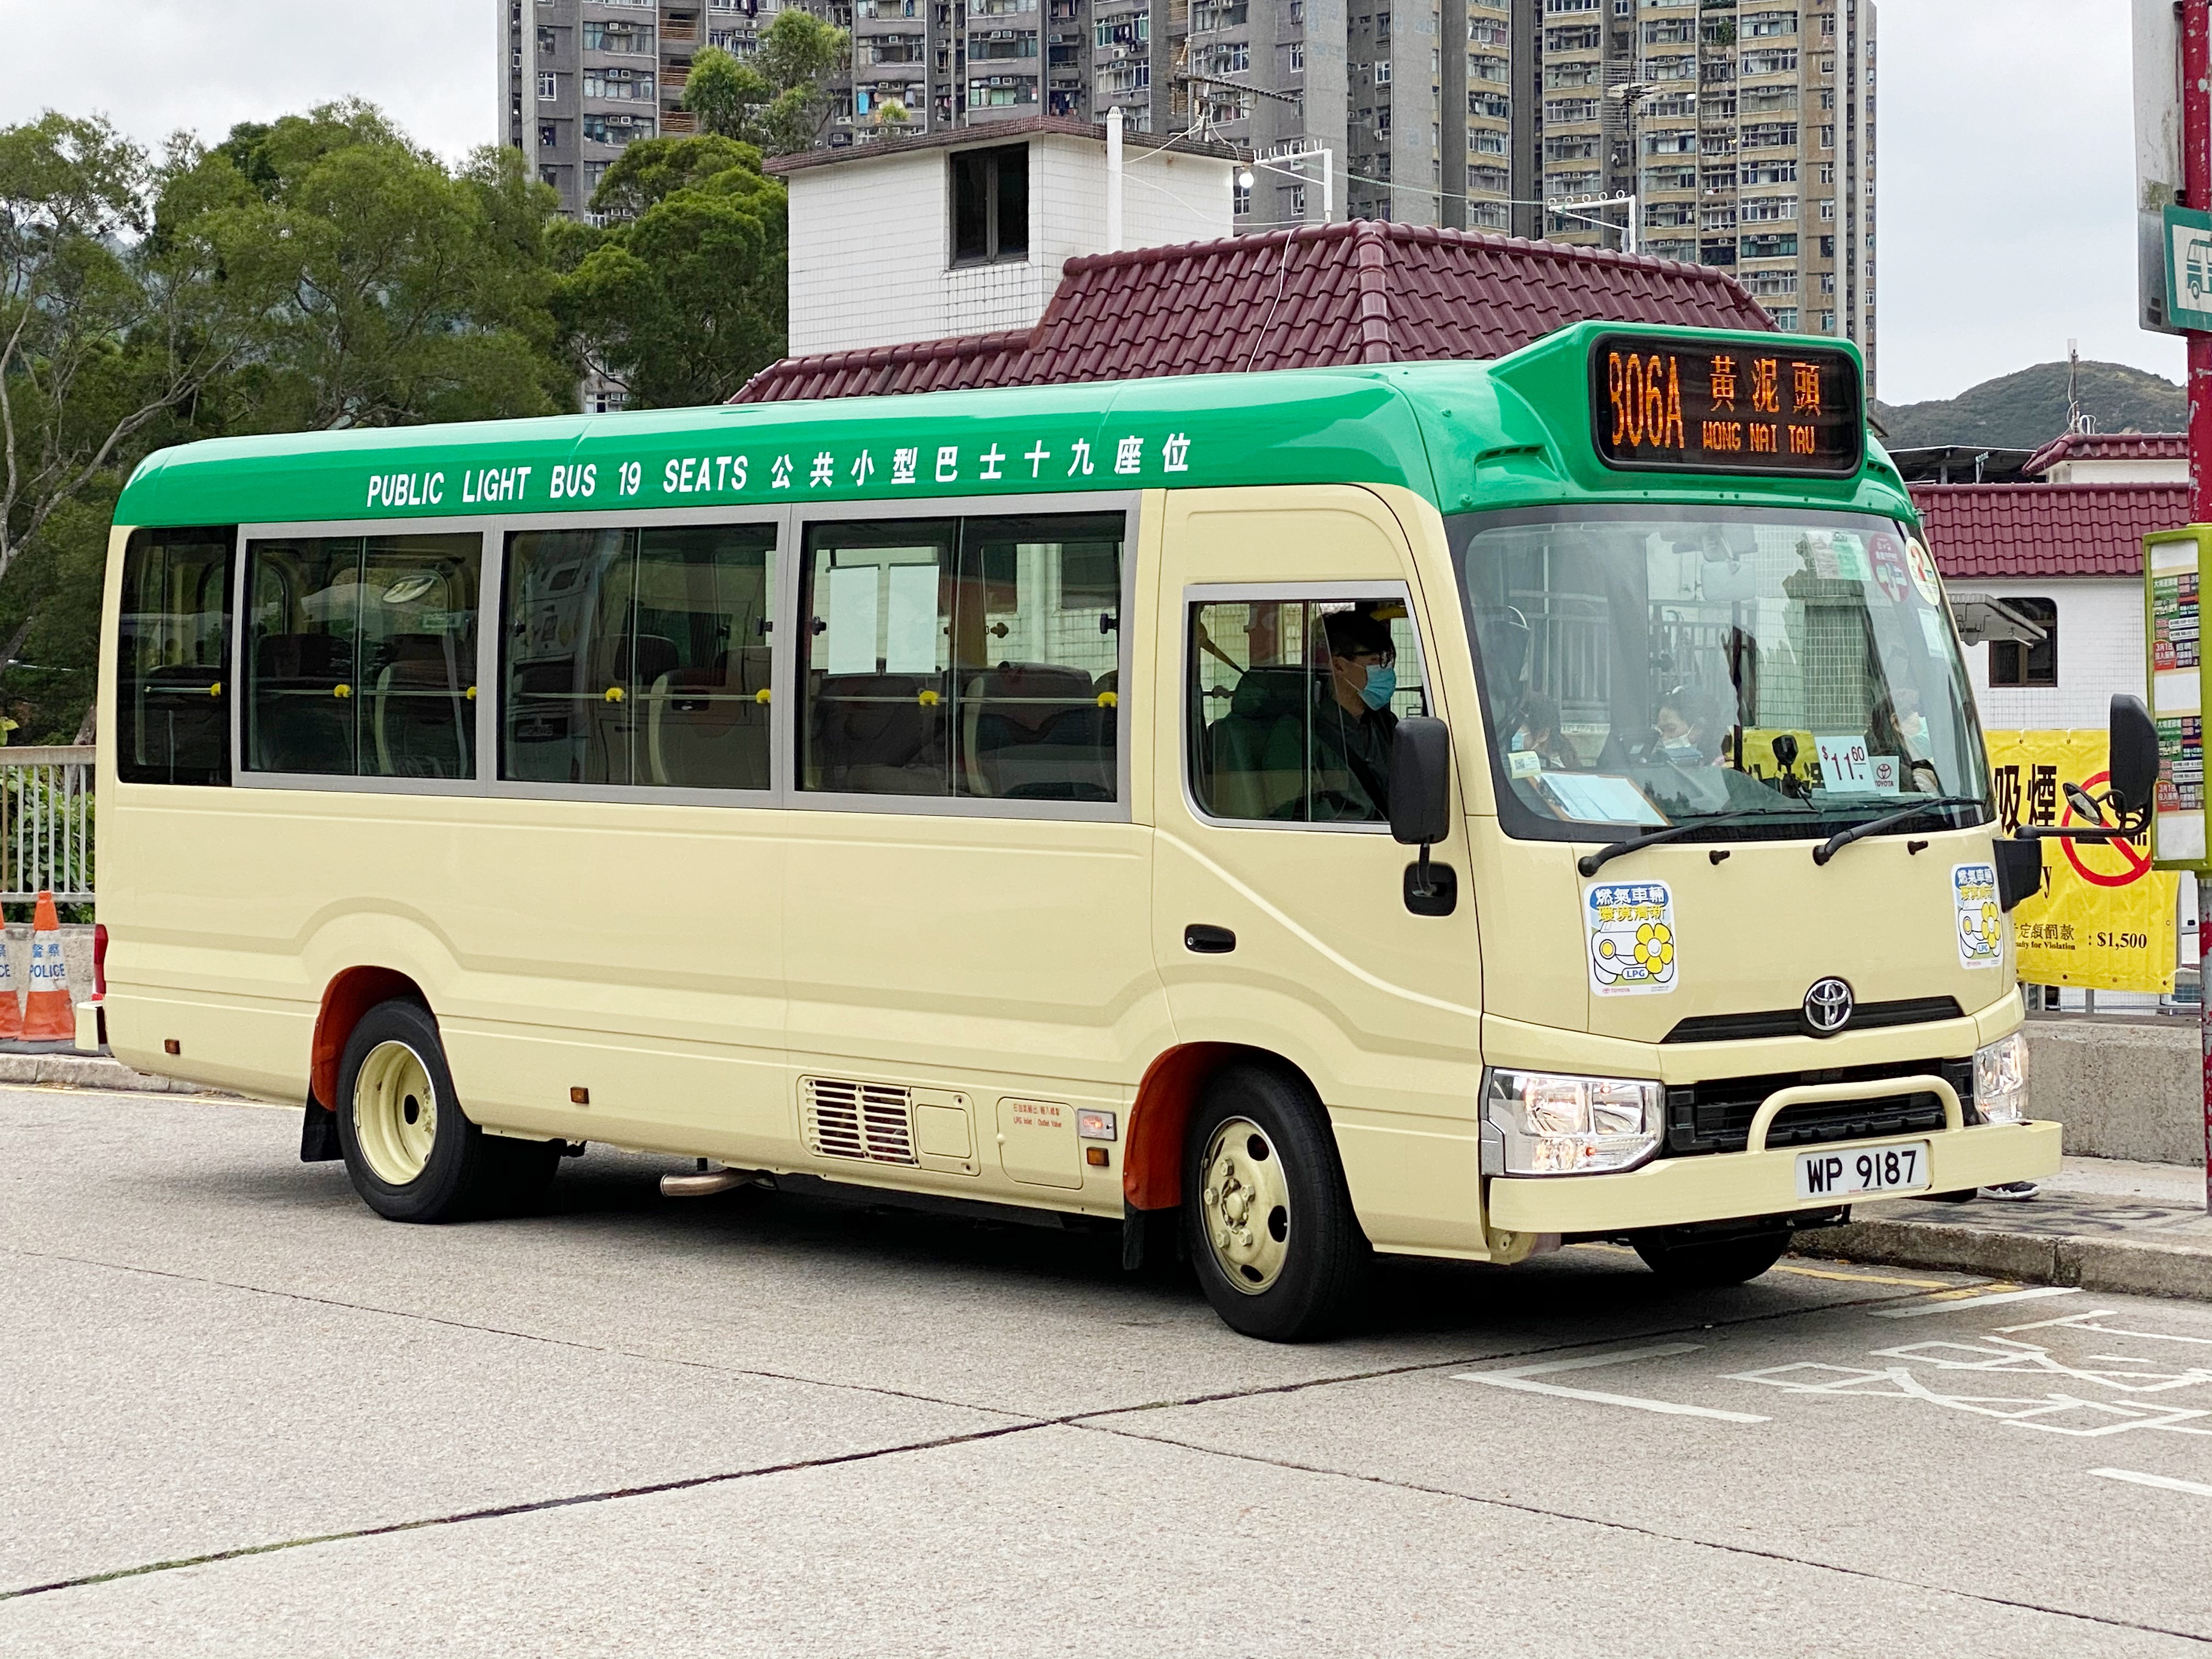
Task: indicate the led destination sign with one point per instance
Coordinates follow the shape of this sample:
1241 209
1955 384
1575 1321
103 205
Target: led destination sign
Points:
1674 406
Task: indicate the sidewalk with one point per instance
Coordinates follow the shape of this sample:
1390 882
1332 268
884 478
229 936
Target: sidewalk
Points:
2102 1223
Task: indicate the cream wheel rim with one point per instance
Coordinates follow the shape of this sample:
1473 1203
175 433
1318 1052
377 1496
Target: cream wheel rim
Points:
395 1113
1247 1204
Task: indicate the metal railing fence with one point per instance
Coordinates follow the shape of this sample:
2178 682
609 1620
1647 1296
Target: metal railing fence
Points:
45 823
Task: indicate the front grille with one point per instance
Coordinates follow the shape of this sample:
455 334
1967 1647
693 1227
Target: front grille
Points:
1790 1022
865 1121
1715 1116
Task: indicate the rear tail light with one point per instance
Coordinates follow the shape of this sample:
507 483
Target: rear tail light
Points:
100 960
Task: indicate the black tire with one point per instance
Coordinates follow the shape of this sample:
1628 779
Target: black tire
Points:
463 1173
1710 1264
1308 1286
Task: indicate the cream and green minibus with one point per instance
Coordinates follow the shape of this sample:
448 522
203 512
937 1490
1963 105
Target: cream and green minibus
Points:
1441 808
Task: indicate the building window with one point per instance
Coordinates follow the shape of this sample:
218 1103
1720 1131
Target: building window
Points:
1382 73
991 205
548 135
2015 662
549 87
1297 57
1239 199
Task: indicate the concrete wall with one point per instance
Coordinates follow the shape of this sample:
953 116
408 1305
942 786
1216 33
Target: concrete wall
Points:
872 239
2124 1088
2100 650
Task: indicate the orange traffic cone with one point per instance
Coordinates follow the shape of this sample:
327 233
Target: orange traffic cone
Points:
48 1014
11 1005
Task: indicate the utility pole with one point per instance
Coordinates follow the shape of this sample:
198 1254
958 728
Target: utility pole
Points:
2197 187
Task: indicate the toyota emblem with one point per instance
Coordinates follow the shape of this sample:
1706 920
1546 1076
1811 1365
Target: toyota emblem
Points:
1827 1007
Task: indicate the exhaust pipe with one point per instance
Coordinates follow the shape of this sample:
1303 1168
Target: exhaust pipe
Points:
706 1183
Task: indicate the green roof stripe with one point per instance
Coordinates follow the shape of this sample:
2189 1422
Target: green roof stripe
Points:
1459 435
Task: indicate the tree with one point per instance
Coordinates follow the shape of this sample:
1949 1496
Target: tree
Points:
106 333
683 300
780 100
404 292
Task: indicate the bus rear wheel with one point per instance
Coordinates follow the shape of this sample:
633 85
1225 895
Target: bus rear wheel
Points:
1695 1263
411 1152
1270 1222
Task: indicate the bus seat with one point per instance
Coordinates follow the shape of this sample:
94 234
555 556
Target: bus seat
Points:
423 725
1034 731
703 728
873 733
299 722
1255 752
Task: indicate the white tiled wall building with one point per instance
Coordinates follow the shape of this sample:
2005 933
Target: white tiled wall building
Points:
871 251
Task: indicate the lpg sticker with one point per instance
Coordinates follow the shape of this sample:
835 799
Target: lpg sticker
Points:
1981 923
1632 938
1922 569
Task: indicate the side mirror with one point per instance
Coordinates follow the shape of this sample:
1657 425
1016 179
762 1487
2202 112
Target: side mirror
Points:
1420 781
2134 763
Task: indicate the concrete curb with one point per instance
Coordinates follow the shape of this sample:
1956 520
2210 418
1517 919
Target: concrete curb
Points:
88 1072
2120 1266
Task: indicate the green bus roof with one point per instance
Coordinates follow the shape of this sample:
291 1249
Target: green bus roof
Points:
1515 431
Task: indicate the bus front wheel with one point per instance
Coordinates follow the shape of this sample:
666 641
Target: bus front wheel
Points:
1685 1259
1278 1251
411 1152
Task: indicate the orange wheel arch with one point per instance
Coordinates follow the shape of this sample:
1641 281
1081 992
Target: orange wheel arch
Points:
348 997
1152 1161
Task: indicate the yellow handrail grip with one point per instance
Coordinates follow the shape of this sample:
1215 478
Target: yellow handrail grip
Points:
215 690
927 698
341 691
761 695
1107 700
614 694
1872 1088
473 693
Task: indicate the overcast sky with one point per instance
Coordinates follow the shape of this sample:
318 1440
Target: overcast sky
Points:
2004 149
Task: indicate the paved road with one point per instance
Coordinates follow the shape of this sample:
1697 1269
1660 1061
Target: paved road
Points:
245 1417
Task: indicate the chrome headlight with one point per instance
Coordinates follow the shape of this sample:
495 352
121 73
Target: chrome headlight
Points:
1552 1124
2001 1079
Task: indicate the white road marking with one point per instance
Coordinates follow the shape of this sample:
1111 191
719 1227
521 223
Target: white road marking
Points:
1920 1310
2197 1487
1521 1377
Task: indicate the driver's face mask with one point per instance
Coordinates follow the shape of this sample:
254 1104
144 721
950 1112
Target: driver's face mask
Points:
1381 685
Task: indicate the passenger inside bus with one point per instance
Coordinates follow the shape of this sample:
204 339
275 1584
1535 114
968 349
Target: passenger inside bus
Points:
1537 734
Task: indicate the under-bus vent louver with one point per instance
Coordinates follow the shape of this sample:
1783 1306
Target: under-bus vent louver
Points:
872 1122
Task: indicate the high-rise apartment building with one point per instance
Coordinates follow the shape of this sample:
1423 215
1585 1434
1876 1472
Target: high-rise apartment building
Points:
1740 133
583 78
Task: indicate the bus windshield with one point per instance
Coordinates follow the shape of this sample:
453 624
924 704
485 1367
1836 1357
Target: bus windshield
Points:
1646 666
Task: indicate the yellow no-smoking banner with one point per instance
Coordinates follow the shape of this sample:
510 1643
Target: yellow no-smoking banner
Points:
2105 918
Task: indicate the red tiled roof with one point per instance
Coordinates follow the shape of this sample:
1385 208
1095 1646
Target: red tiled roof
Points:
2107 447
2045 530
1366 292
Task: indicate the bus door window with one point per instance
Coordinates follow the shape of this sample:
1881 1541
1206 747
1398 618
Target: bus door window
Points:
361 655
1293 705
638 656
172 710
975 658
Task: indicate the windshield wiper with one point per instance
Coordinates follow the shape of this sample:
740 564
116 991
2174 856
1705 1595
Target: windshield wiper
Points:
1843 838
1590 863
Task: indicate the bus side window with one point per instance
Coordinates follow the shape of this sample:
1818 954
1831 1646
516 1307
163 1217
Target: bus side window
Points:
1293 705
362 655
638 656
975 658
172 702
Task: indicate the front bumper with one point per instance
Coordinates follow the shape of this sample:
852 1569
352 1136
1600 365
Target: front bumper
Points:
1672 1192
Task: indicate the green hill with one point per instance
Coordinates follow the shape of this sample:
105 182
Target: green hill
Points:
2025 409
